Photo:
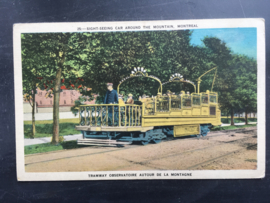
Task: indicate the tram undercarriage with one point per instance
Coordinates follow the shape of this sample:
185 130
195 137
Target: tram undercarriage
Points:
155 135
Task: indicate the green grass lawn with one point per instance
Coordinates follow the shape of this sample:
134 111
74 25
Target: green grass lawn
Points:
48 147
45 128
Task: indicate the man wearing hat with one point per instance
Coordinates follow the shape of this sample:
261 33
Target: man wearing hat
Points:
169 93
111 96
130 99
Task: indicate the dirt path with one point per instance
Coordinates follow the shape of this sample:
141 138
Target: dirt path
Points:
223 150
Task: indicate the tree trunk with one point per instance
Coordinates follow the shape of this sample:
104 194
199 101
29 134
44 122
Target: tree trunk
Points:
56 98
33 115
246 116
232 117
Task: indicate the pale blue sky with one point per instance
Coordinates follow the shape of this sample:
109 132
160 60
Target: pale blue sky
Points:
239 40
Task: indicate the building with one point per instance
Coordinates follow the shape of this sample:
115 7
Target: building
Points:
27 108
44 103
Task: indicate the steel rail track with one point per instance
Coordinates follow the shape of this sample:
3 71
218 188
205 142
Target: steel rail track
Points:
132 146
191 151
136 146
217 158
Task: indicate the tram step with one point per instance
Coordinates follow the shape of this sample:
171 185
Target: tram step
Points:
100 142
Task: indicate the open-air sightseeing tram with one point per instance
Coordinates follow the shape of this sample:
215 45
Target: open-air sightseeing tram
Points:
154 118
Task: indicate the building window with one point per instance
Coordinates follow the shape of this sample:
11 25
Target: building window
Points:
64 101
40 93
71 101
50 102
64 93
40 102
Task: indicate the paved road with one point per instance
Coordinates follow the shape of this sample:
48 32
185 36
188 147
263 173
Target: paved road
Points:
48 116
223 150
42 140
228 124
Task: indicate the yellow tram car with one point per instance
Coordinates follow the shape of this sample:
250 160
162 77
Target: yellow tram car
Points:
152 118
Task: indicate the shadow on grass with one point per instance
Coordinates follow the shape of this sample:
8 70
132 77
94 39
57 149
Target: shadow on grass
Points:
48 147
72 145
46 130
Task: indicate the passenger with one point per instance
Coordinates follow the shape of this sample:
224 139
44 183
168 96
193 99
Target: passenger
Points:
205 97
130 112
130 99
169 93
120 100
188 101
205 100
144 98
158 95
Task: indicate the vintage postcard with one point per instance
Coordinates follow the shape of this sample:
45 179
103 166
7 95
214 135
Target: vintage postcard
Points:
181 99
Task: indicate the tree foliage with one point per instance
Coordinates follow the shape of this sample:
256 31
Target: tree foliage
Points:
61 57
54 59
161 53
237 77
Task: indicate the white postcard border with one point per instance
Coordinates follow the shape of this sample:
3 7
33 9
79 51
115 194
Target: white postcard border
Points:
192 24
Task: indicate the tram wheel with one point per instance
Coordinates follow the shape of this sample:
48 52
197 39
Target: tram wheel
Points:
144 142
156 141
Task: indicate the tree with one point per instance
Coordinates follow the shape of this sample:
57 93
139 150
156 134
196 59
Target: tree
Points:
237 75
221 56
33 64
64 54
246 83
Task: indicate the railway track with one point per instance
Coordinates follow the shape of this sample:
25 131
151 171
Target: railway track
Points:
109 149
217 158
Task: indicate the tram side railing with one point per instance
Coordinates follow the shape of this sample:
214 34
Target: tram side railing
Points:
165 104
112 115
